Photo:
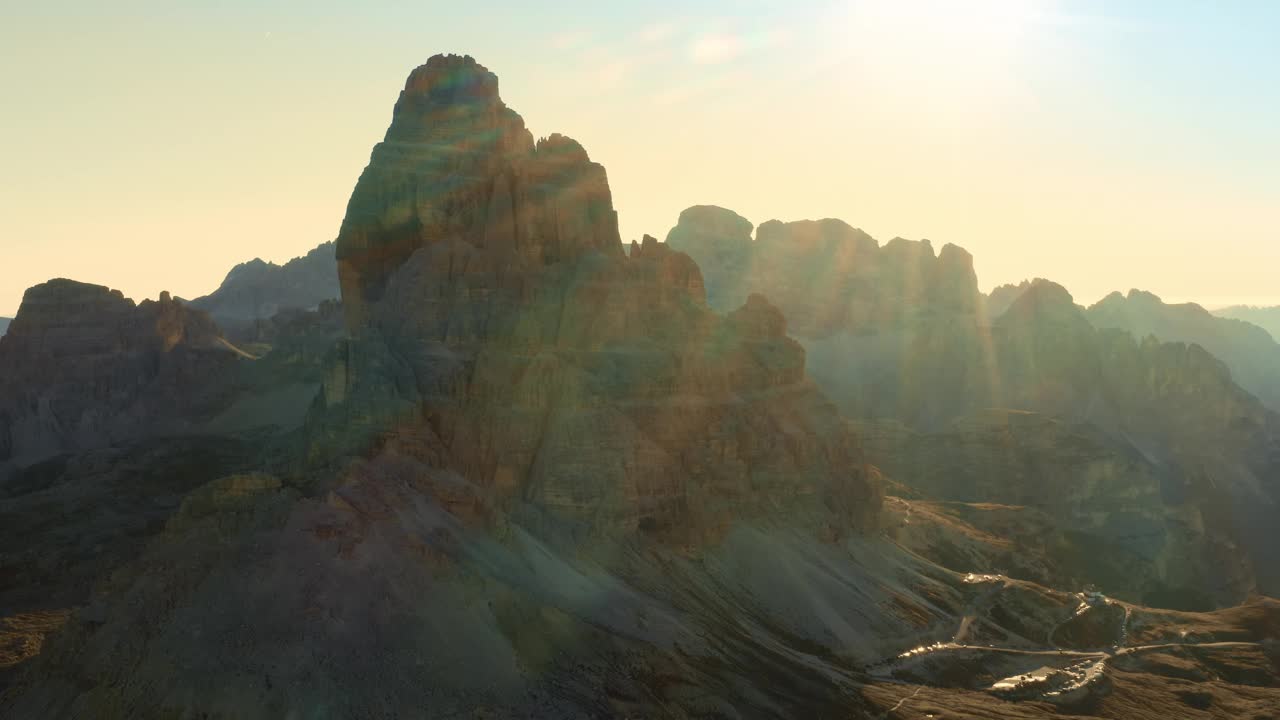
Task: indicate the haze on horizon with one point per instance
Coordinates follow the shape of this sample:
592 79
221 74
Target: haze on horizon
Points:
152 146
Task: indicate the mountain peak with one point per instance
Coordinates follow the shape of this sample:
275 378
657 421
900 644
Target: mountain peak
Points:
459 166
453 77
452 101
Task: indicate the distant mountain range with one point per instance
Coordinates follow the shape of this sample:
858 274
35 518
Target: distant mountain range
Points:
1250 352
257 290
1021 395
1267 318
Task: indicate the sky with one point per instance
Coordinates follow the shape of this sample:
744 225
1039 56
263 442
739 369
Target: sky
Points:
151 145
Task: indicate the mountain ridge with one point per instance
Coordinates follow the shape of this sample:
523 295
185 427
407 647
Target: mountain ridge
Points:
256 290
1265 317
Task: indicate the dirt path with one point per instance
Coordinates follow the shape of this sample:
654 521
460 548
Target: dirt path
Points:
1049 682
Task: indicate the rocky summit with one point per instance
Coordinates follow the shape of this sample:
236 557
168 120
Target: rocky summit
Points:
525 470
458 172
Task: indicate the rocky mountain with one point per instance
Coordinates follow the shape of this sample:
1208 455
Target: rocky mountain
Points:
1160 419
257 290
1267 318
1249 351
540 476
903 341
4 325
557 368
537 386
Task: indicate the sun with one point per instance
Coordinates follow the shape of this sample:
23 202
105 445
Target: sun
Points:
950 48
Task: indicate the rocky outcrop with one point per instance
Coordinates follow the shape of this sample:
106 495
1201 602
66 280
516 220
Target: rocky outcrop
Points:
1252 355
82 366
720 240
256 290
826 276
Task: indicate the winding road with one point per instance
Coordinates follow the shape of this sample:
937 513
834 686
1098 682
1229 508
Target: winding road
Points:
1049 682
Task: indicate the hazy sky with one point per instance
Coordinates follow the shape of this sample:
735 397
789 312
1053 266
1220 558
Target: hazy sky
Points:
151 145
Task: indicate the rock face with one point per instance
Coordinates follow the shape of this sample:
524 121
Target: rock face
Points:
1249 351
4 325
82 367
257 290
